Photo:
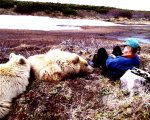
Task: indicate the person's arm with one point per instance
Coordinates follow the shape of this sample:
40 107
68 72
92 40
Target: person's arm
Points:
113 63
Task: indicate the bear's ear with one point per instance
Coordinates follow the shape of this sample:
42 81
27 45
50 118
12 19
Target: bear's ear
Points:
11 55
22 61
75 60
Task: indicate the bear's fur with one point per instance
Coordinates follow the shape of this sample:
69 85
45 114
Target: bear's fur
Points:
14 76
57 65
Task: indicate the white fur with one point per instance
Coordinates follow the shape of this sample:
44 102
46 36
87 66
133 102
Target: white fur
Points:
14 76
57 65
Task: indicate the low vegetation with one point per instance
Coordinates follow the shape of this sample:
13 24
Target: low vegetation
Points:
90 97
22 7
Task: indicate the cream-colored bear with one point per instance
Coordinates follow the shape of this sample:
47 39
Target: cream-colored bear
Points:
57 65
14 76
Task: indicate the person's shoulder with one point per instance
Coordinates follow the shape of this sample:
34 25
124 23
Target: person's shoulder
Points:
136 56
120 57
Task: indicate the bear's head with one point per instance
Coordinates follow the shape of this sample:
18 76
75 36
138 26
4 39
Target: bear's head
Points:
19 60
83 64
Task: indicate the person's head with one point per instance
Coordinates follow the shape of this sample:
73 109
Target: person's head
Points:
131 47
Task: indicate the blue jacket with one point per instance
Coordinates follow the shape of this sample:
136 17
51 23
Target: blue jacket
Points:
119 65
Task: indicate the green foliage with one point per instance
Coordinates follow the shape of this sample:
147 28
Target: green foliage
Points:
28 7
103 10
147 14
7 3
81 7
126 13
66 9
69 9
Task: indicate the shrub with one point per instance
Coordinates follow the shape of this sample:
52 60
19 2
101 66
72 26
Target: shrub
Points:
25 7
120 13
147 15
82 7
56 6
69 11
7 3
28 7
102 9
138 15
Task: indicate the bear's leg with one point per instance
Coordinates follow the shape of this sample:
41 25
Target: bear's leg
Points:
51 72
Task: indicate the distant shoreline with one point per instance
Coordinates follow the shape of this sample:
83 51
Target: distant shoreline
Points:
57 10
97 3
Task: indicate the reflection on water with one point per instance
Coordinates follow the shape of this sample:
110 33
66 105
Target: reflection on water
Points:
141 39
68 27
141 33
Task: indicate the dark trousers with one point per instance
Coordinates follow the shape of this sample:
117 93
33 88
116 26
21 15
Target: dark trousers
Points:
100 58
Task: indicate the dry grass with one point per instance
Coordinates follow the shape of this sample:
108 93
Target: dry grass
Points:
90 97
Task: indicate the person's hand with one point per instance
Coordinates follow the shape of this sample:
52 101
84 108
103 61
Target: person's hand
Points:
112 55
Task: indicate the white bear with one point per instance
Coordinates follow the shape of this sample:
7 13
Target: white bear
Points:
14 78
58 65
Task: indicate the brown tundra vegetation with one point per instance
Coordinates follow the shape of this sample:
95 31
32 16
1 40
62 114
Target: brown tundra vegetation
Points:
83 97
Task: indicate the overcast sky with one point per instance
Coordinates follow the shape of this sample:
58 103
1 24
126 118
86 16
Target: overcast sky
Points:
125 4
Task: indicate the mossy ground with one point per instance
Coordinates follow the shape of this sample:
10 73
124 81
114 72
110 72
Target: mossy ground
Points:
83 97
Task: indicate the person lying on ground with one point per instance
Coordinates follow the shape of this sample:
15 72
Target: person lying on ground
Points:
117 63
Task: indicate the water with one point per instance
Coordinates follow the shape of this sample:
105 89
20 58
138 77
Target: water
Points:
47 23
141 33
141 39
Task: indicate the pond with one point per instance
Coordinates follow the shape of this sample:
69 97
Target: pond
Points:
141 39
47 23
141 33
24 22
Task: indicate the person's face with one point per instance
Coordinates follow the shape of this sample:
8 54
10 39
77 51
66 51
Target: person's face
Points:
127 50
